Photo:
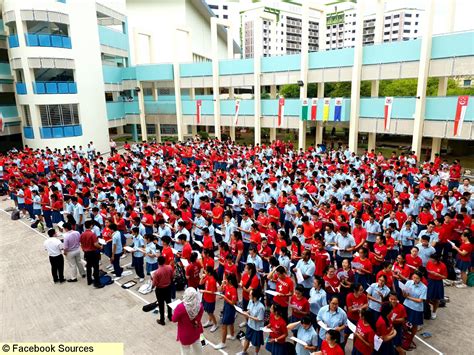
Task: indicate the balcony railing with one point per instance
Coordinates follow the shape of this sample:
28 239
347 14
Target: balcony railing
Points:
13 41
20 88
46 40
60 131
54 87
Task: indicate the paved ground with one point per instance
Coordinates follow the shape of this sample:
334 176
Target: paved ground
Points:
34 309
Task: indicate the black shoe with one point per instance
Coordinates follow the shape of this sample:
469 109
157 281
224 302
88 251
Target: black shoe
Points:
72 280
83 276
161 322
98 286
62 281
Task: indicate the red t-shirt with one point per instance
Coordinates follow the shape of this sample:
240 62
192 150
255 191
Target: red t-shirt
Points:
187 250
279 243
331 284
298 306
327 350
278 327
415 262
366 265
168 254
356 302
254 284
192 273
467 247
399 311
284 286
230 269
382 328
231 293
210 284
367 333
439 268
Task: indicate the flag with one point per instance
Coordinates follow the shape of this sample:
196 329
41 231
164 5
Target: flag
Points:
337 109
281 110
2 125
304 109
198 111
387 113
236 117
314 107
460 113
327 102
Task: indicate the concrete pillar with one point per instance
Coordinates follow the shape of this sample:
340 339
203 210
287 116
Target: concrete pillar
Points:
257 51
158 132
443 86
154 91
120 130
435 147
322 31
356 74
423 71
205 91
273 92
273 134
179 108
379 17
141 105
215 78
232 133
319 124
371 141
304 72
134 133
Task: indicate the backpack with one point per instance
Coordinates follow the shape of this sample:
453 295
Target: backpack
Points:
106 280
15 215
150 307
179 278
470 279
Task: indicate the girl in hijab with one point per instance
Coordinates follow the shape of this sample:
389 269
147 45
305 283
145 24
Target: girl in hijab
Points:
188 315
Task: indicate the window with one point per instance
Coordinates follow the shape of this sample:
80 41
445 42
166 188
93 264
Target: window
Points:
225 16
407 23
225 7
406 38
467 82
416 23
59 115
406 31
394 32
416 31
396 16
387 25
417 15
214 7
387 17
407 15
27 115
386 33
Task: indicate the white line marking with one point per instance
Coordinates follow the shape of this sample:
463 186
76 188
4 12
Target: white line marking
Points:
129 291
428 345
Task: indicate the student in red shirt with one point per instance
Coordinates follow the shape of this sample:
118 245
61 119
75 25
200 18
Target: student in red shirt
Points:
364 334
387 272
167 252
385 330
209 280
437 272
250 281
398 317
229 294
284 287
413 260
193 270
355 301
380 250
224 250
207 259
229 266
363 271
463 261
299 305
187 249
330 345
276 343
332 283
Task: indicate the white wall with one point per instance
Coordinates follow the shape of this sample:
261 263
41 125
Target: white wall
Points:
159 19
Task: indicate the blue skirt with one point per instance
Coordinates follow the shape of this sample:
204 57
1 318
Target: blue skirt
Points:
414 317
435 290
56 217
276 348
463 265
209 307
255 337
228 317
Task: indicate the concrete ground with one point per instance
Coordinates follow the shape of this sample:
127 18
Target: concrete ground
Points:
33 308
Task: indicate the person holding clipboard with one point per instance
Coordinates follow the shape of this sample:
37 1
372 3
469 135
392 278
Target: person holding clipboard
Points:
255 316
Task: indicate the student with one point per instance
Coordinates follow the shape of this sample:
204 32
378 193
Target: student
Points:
284 287
91 248
193 271
317 298
54 248
276 343
137 256
254 315
333 317
376 294
464 257
330 345
151 259
397 315
385 330
116 251
437 272
249 282
415 294
305 332
230 297
355 302
364 334
162 280
209 281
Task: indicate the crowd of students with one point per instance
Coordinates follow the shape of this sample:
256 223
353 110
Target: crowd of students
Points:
321 245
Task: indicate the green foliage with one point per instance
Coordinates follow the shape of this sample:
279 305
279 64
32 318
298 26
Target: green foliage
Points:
204 135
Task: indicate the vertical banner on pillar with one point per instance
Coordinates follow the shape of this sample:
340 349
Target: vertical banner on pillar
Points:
314 108
236 116
304 109
387 113
327 102
337 109
281 110
198 111
461 108
2 124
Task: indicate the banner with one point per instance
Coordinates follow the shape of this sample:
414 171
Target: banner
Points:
337 109
304 109
236 117
2 124
314 108
281 110
387 113
327 102
198 111
461 108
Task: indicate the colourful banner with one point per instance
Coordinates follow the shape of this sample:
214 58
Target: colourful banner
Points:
387 113
460 113
314 108
327 102
281 110
2 124
304 109
236 117
337 109
198 111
